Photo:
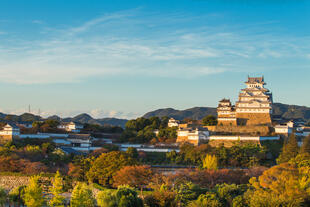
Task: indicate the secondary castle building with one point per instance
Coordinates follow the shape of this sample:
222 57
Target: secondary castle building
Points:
254 106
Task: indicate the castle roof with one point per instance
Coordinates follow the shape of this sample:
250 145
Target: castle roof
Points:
225 100
255 80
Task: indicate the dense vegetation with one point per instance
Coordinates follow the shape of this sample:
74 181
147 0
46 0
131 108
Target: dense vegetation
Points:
141 130
124 181
244 175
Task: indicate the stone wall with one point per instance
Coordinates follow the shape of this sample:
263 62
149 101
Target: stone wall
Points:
217 143
247 130
184 139
9 182
225 123
249 119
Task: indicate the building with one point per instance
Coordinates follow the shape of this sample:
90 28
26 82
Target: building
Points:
9 132
25 124
254 106
226 113
173 123
71 127
81 142
192 135
283 129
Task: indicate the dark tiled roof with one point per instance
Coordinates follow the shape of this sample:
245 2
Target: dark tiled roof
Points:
255 80
79 136
69 150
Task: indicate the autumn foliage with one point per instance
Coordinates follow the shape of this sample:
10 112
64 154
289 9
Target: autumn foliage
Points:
134 176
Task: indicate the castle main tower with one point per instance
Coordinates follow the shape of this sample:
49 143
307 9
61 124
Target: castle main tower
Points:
254 106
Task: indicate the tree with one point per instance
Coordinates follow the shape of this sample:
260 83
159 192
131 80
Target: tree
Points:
206 200
106 198
82 196
127 197
282 185
16 195
3 196
210 162
209 120
133 152
33 196
305 148
289 150
227 193
56 191
133 176
124 196
105 166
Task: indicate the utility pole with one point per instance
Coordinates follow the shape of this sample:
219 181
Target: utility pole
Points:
29 109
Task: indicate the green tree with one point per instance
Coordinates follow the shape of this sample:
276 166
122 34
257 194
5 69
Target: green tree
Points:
289 150
206 200
33 196
105 166
56 191
227 193
210 162
82 196
305 148
133 152
16 195
127 197
209 120
124 196
106 198
3 197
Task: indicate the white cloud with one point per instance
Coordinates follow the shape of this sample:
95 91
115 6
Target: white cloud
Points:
100 113
95 113
120 43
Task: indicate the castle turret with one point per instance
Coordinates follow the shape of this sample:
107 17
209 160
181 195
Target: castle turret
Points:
226 114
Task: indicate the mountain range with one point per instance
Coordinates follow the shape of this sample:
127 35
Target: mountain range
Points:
281 110
284 111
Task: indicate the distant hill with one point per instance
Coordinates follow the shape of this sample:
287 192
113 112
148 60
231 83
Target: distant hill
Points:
284 110
292 111
82 118
26 117
193 113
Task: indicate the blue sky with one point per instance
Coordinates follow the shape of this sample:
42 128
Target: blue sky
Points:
125 58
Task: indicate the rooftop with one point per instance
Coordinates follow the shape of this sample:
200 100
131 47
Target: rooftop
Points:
256 80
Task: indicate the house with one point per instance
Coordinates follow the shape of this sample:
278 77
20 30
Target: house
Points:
173 123
80 142
156 132
284 128
9 132
25 124
192 135
71 127
69 151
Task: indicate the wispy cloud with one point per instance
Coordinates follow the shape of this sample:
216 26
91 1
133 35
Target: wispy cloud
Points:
95 113
132 42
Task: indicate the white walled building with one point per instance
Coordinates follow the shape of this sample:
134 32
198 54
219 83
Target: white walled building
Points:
192 135
254 106
173 123
255 98
71 127
10 130
285 128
